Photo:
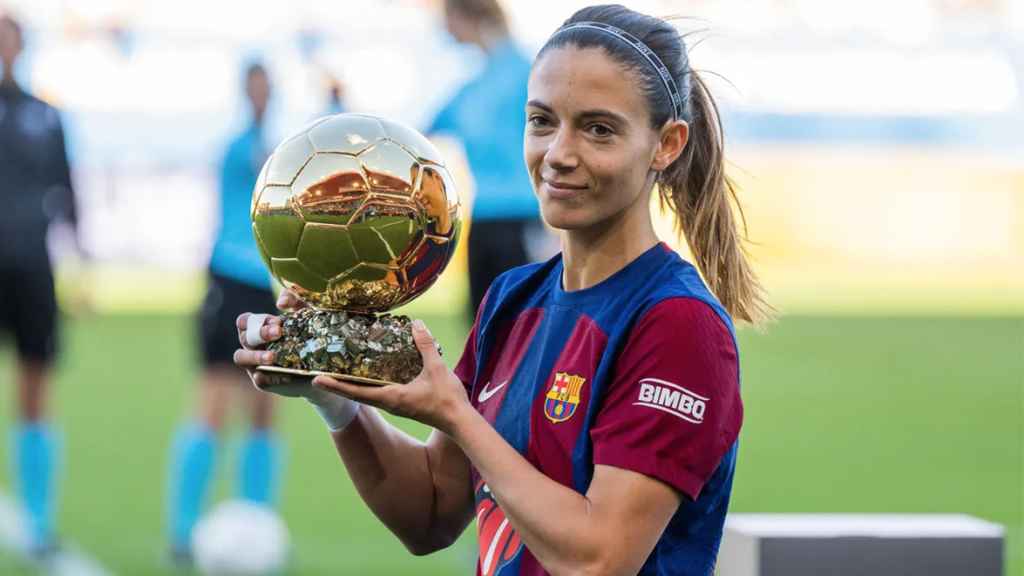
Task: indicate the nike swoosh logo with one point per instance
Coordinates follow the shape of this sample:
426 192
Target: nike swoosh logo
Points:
486 394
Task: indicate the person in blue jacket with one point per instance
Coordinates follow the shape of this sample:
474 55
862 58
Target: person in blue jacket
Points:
488 116
238 281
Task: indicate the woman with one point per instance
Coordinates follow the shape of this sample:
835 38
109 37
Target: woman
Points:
591 423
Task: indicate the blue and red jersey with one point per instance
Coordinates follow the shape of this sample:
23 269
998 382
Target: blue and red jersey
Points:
639 372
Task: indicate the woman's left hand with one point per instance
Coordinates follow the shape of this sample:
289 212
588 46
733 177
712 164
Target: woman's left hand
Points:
434 397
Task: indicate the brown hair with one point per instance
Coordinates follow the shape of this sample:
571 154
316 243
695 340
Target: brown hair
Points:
487 11
702 195
695 186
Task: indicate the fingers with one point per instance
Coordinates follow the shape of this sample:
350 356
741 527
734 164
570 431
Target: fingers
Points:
253 330
288 301
246 358
379 396
257 329
425 344
262 381
282 384
253 323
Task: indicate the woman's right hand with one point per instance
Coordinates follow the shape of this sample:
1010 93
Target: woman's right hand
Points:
254 332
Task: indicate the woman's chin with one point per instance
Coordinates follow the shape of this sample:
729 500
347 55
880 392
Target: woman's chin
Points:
563 224
561 219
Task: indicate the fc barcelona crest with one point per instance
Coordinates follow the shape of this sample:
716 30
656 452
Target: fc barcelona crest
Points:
563 397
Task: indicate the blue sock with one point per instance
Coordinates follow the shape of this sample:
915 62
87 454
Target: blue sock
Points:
35 462
192 461
259 468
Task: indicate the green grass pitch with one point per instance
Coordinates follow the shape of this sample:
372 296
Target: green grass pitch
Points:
843 414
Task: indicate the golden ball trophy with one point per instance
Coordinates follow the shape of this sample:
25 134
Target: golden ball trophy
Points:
356 215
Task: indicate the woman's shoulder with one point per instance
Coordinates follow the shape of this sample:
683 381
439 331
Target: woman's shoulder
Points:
680 291
683 313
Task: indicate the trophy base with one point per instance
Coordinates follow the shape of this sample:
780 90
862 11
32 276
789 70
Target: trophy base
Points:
362 348
297 373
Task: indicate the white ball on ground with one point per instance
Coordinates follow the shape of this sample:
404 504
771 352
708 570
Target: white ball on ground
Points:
239 538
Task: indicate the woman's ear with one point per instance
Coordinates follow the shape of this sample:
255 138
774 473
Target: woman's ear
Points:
670 145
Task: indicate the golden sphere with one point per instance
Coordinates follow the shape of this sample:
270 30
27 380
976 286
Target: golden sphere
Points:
356 212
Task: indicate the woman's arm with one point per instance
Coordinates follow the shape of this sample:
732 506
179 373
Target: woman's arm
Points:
609 530
421 491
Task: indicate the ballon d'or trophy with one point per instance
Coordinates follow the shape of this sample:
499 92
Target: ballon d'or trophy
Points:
356 215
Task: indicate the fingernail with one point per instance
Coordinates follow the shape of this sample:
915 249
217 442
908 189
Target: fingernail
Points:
275 331
419 325
267 357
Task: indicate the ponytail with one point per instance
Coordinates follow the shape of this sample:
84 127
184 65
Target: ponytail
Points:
696 188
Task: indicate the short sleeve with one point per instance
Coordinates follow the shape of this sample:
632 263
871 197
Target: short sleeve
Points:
673 409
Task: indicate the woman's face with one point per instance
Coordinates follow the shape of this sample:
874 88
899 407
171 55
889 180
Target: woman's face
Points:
588 145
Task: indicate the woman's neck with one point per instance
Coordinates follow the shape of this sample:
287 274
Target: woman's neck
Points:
593 255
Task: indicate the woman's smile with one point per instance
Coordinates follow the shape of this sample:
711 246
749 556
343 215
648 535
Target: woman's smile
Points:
562 190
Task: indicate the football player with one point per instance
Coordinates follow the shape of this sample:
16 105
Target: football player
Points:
237 281
591 425
35 188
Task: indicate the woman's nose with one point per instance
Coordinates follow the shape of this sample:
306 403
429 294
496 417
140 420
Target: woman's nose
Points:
561 152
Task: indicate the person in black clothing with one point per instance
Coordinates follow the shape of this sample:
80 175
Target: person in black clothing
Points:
35 188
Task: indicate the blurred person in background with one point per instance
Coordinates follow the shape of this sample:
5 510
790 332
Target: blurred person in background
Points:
238 282
487 116
35 189
335 95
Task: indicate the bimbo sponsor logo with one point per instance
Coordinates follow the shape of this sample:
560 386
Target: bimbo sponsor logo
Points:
672 398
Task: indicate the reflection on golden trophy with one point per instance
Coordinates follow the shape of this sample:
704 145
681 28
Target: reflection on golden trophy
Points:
356 215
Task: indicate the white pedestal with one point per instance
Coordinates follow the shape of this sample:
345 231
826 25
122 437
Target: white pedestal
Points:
860 545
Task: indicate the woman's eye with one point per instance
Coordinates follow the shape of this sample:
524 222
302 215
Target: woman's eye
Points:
536 121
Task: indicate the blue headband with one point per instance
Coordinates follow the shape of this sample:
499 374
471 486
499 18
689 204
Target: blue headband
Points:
648 54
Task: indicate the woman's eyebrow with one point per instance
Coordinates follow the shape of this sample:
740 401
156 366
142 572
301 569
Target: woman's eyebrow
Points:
602 113
539 104
584 115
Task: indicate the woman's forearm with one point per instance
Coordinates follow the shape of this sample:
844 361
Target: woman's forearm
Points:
411 486
553 521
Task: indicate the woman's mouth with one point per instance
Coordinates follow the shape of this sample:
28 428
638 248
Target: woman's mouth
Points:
563 190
